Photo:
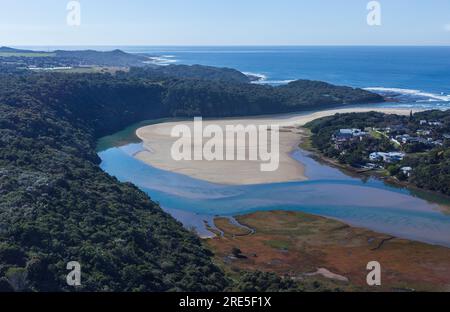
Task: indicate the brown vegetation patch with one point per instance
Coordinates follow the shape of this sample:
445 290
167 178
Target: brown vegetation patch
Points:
294 244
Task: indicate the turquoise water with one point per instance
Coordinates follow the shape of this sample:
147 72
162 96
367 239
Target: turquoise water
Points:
329 192
418 77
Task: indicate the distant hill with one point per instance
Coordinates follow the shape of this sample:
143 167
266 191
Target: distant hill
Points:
12 50
141 64
108 58
115 58
6 52
192 72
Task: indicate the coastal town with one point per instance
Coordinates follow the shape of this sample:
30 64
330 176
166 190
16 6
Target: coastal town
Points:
396 146
403 140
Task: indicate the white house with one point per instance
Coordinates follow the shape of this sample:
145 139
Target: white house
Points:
406 171
390 157
344 135
435 123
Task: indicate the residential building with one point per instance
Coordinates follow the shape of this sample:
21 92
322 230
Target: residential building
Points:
390 157
406 171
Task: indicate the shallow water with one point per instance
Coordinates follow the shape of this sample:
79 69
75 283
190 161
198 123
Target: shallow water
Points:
417 77
328 192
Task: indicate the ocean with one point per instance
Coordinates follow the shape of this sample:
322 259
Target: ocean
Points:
418 76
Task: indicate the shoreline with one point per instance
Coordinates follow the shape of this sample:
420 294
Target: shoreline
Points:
202 219
158 142
389 180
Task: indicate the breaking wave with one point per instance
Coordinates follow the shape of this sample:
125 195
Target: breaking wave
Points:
411 94
162 60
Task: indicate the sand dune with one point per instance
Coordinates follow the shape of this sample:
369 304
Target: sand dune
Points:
158 143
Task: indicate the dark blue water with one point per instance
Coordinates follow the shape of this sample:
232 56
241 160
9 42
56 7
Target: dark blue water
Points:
329 193
419 75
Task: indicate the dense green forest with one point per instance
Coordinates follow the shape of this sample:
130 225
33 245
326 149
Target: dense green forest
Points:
190 72
57 205
426 160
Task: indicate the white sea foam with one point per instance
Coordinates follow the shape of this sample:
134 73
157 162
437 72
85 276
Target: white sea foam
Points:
162 60
261 77
275 82
427 96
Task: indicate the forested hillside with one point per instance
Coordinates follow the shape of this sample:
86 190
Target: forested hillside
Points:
190 72
56 205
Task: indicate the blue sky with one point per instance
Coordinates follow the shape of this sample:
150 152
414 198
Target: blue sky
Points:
225 22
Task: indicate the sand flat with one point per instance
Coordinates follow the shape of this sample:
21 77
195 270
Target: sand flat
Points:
158 144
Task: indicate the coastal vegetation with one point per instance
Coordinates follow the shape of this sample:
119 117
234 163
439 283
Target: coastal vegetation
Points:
58 206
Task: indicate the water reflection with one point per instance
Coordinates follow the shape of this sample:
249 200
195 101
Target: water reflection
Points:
328 192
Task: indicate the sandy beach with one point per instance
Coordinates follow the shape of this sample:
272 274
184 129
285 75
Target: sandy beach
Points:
158 143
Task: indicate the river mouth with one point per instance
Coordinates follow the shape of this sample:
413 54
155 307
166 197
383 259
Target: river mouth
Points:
367 203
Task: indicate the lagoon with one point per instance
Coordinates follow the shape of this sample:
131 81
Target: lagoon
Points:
367 203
